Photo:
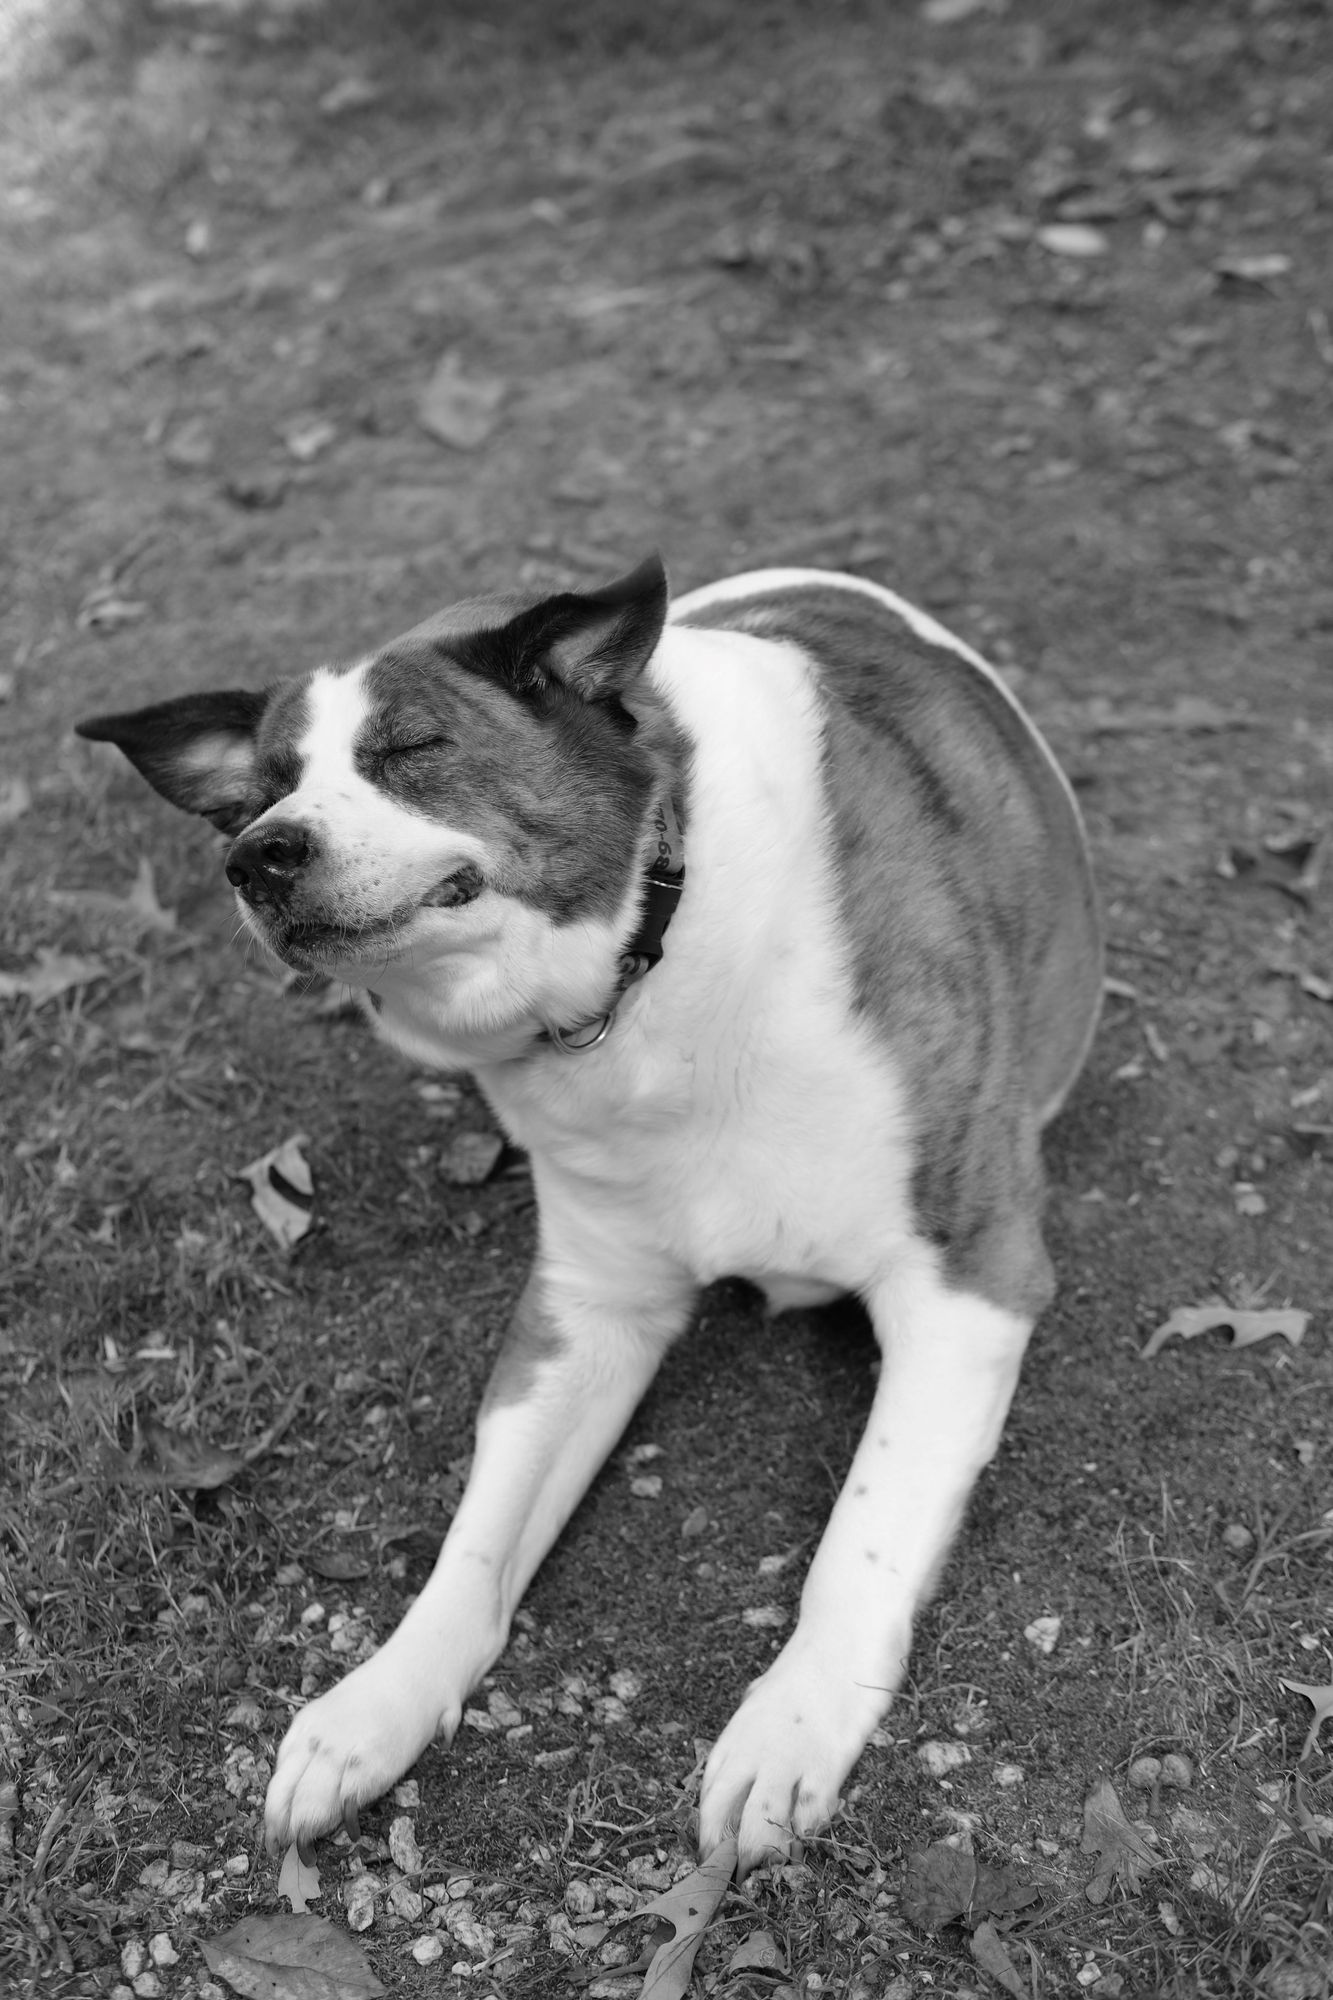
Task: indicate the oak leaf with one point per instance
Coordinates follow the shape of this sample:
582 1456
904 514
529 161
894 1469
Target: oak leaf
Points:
1247 1325
1321 1700
1122 1852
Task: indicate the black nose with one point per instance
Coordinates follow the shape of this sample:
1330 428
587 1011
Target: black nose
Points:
265 862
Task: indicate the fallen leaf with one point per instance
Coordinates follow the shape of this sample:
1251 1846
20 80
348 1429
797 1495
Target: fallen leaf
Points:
470 1158
186 1462
290 1958
460 410
1247 1326
1073 239
306 437
51 974
104 611
350 93
1122 1853
192 447
298 1880
757 1953
688 1907
15 800
943 13
994 1960
337 1567
1321 1700
944 1884
1257 270
1290 863
132 914
282 1191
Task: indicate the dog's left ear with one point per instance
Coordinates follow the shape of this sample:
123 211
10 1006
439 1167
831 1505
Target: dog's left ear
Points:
594 642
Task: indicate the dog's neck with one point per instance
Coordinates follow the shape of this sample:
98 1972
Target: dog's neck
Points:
664 879
458 1011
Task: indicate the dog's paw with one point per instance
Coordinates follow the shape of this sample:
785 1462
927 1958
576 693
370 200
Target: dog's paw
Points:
775 1773
347 1748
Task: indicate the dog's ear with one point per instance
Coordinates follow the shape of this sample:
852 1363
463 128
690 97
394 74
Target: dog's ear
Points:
198 751
594 642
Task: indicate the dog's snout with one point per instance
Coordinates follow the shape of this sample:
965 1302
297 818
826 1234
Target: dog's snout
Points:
263 864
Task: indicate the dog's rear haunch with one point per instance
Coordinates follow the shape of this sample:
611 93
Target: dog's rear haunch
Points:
765 922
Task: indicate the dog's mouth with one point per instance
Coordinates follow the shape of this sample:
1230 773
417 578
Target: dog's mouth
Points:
315 943
463 886
313 946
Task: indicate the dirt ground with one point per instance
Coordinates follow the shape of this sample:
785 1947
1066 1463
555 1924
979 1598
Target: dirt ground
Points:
1021 309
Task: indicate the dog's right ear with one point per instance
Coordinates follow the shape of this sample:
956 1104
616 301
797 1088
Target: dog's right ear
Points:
198 751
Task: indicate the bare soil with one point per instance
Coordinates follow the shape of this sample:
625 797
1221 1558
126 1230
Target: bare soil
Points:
1025 314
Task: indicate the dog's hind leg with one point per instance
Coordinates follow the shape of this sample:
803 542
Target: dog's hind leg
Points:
951 1361
577 1359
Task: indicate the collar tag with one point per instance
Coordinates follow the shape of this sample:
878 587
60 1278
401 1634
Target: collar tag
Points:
669 850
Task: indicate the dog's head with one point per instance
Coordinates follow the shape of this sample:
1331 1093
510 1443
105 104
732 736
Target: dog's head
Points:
497 763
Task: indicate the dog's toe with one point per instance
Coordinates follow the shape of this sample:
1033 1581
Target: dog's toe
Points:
776 1771
342 1751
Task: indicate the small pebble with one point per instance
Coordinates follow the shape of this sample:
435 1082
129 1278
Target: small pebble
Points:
937 1759
426 1950
580 1898
162 1951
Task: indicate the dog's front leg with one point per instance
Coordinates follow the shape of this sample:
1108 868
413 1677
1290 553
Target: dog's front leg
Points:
572 1369
951 1361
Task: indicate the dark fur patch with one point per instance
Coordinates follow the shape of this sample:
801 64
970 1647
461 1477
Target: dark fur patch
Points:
970 911
227 755
558 787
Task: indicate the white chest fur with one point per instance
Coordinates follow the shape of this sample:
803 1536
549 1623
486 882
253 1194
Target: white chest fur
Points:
701 1130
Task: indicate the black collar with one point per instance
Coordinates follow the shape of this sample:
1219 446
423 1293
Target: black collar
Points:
663 882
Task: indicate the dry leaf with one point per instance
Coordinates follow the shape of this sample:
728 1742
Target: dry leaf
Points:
290 1958
104 610
688 1907
1247 1326
282 1191
1321 1700
1073 239
298 1880
993 1959
188 1462
944 1884
943 13
470 1158
757 1953
460 410
52 973
132 915
15 800
1122 1853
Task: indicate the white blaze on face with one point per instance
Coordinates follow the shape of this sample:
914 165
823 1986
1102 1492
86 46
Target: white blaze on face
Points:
377 856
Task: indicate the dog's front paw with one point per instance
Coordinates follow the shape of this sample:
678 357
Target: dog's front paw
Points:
775 1772
347 1748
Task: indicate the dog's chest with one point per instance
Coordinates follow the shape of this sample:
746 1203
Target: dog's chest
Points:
772 1146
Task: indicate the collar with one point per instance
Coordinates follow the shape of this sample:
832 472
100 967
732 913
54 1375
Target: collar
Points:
664 879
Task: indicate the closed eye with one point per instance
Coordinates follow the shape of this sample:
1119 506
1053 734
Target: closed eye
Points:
421 748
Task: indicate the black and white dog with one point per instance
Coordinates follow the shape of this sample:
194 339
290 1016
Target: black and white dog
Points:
880 978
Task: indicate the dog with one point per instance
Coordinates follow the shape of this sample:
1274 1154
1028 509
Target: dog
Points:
766 924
